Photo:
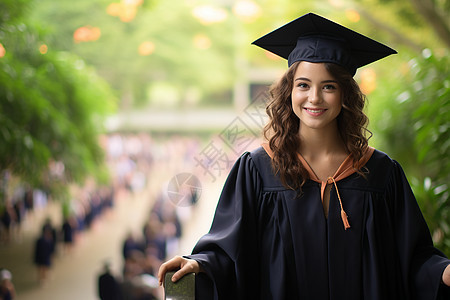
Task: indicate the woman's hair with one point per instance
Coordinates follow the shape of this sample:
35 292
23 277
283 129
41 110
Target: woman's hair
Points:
282 130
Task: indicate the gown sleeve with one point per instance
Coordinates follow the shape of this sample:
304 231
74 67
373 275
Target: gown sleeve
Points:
228 253
422 263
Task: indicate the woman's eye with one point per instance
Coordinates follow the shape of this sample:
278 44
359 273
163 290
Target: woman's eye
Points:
302 85
329 87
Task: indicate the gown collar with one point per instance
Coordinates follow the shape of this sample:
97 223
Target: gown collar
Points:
346 169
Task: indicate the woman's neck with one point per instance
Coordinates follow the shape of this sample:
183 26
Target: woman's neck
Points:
315 143
323 150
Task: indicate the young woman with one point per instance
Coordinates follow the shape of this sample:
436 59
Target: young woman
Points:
316 213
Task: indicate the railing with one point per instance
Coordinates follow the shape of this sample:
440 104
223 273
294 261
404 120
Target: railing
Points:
183 289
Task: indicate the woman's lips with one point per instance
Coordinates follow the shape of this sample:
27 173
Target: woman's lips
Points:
315 111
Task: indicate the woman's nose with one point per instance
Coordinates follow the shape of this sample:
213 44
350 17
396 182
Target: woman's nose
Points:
314 96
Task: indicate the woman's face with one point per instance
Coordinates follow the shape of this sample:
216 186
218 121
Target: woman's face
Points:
316 96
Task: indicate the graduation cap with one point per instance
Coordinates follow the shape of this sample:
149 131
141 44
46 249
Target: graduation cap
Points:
314 38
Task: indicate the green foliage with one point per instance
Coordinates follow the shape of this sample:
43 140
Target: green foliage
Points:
51 109
417 134
175 60
416 23
11 10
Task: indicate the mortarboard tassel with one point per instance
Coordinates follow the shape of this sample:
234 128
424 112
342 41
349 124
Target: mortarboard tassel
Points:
343 213
345 219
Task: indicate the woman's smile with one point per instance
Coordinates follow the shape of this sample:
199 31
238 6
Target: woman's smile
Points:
315 111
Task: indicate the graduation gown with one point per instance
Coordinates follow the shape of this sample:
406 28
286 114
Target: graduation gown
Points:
267 243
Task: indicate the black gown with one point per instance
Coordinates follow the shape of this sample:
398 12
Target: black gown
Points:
265 243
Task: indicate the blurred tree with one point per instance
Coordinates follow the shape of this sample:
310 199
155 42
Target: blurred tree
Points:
416 131
193 50
51 106
436 13
162 42
409 111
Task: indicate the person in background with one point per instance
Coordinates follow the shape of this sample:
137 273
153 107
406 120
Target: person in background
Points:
49 227
7 290
7 218
43 252
316 213
108 286
68 233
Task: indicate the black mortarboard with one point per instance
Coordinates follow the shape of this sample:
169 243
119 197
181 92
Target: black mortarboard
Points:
316 39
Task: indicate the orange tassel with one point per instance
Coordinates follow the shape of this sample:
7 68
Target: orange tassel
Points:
343 213
345 219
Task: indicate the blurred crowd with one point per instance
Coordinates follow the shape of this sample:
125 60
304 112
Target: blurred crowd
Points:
143 252
130 159
56 233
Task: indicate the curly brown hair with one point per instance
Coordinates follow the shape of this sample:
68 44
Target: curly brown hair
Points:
283 127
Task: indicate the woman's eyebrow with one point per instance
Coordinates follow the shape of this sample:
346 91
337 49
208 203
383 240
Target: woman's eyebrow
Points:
302 78
324 81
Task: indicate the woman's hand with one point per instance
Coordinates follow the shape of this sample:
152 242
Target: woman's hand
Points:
184 265
446 276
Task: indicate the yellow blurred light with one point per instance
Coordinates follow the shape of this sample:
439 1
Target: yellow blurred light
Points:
86 34
114 9
146 48
128 13
126 10
352 15
201 41
336 3
95 33
133 2
368 81
247 10
81 34
43 49
208 14
2 50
